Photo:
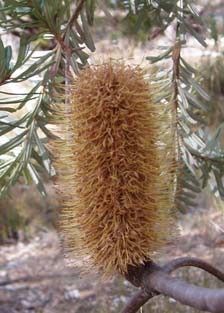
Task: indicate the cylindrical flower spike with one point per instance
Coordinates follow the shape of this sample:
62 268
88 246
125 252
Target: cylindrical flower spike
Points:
116 169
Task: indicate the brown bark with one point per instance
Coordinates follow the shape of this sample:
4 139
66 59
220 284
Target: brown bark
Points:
200 298
195 262
155 280
138 300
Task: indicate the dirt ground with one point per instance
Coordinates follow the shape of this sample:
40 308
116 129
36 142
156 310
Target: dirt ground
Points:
34 277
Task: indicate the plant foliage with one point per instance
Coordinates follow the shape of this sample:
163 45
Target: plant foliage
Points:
200 150
65 26
23 147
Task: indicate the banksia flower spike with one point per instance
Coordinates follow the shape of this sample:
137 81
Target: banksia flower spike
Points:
116 170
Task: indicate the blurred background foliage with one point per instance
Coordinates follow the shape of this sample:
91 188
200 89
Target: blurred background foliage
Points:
24 213
50 35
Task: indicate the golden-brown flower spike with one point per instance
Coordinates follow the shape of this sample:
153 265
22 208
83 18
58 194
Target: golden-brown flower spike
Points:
116 174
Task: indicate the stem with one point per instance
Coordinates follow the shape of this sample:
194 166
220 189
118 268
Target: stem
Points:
138 300
75 15
197 297
155 280
188 261
63 41
176 70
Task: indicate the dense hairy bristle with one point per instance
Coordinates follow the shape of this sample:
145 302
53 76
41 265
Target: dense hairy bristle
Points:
116 169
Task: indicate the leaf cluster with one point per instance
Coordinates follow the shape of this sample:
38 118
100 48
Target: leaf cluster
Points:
199 147
25 118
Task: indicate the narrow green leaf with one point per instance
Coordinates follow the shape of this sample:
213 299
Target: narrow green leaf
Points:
36 179
162 56
2 60
12 143
34 69
219 181
195 34
186 201
88 38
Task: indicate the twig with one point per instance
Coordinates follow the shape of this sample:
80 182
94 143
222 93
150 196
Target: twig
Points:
204 299
176 69
138 300
63 40
155 280
195 262
75 15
